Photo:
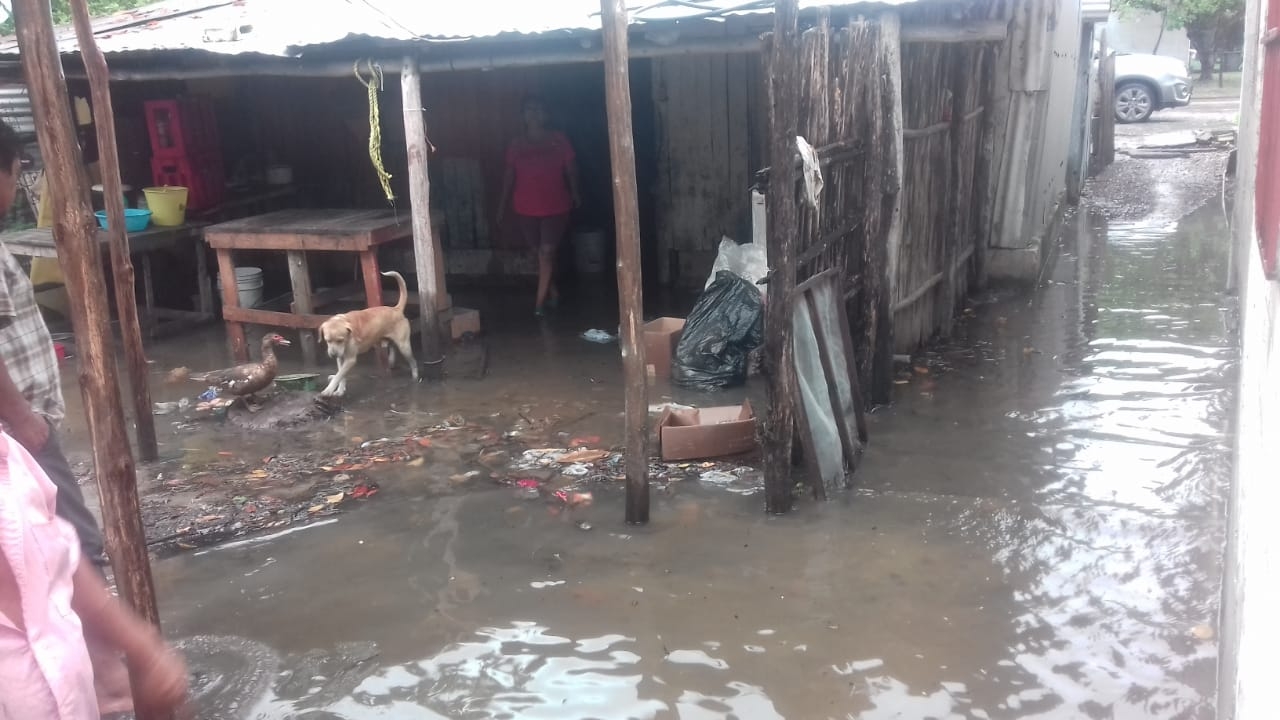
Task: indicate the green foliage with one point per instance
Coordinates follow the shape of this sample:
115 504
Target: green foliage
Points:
62 11
1189 14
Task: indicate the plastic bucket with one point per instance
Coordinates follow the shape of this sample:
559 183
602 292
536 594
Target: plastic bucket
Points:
168 204
588 251
249 286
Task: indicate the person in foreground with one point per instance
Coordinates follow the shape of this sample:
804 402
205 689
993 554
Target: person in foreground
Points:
31 407
49 597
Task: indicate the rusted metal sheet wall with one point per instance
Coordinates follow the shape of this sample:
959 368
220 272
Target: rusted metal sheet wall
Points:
710 116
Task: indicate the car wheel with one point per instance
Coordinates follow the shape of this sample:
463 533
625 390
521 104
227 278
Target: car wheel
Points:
1134 103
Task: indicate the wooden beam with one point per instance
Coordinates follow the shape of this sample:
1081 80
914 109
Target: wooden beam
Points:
784 223
626 209
270 318
75 236
426 261
121 261
966 32
747 44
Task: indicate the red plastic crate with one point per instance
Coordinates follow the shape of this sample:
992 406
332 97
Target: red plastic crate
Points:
203 177
181 127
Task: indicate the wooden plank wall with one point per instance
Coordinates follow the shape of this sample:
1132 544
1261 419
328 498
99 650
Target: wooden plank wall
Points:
846 100
709 118
944 87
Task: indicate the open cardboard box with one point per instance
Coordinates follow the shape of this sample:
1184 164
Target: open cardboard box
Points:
660 339
709 432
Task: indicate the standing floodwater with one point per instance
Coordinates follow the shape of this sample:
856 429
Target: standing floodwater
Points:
1036 534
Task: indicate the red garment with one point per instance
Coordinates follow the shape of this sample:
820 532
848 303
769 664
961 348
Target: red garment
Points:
541 188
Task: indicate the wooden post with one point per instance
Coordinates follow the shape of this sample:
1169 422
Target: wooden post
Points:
1106 151
626 209
304 302
891 56
121 263
956 238
781 230
74 232
426 260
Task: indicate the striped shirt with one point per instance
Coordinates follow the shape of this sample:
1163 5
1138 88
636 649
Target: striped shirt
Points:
25 343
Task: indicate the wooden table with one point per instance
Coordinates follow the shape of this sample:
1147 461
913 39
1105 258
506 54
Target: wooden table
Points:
298 232
38 242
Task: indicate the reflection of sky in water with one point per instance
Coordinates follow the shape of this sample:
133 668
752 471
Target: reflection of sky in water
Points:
524 671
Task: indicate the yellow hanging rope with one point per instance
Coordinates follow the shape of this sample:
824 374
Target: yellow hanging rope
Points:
373 82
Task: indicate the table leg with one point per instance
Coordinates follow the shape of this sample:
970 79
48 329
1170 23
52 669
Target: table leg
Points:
373 291
204 282
231 299
149 295
300 280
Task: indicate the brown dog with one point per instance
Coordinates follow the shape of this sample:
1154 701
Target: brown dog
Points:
350 334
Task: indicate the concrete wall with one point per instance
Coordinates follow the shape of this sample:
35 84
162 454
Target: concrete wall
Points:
1251 589
1041 64
1138 32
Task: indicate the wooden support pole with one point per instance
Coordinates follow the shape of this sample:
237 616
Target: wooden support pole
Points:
956 238
426 261
626 210
891 100
75 235
784 223
121 263
304 302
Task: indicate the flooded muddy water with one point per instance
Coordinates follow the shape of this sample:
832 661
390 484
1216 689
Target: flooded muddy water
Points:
1035 534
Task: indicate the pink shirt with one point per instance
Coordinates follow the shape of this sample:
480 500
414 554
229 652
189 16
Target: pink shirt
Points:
541 188
45 671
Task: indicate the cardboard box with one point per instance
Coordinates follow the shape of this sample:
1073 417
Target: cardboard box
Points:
708 432
660 339
463 321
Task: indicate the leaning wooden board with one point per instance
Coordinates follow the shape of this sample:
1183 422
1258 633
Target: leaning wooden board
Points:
831 415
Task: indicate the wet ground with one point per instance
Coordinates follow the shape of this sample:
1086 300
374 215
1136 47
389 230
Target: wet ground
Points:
1036 533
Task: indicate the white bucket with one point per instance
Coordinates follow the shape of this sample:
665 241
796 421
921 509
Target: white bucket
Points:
588 250
249 286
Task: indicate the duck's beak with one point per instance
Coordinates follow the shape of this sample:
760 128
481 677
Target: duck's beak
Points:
283 342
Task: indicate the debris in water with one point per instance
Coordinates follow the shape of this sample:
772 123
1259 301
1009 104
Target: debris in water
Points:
576 470
585 440
1202 632
584 525
597 336
583 456
364 491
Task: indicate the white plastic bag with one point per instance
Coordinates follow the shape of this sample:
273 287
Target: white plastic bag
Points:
746 261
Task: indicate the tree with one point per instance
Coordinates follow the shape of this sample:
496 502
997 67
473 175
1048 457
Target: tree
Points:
62 11
1211 25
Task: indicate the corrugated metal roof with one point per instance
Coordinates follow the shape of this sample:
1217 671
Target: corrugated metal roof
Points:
1095 10
282 28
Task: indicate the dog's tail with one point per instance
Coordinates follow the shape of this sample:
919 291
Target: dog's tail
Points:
404 290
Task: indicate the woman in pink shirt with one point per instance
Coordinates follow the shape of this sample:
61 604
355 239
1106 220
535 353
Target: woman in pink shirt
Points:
49 597
541 185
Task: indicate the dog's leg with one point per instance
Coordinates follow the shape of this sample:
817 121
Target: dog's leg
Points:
338 382
402 344
391 355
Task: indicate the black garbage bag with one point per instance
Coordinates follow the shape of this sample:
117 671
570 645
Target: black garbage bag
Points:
725 325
